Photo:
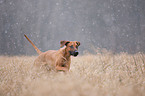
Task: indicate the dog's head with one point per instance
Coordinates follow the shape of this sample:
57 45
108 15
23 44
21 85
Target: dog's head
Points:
71 47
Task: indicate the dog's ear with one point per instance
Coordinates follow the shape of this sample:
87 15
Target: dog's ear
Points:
78 43
62 43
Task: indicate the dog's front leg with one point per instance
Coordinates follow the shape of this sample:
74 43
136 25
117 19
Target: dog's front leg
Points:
59 68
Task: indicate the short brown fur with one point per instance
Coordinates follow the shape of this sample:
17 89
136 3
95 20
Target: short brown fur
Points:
58 60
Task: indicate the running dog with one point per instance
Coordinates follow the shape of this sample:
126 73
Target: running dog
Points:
58 60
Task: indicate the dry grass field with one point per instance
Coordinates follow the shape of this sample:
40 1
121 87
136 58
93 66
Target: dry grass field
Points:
90 75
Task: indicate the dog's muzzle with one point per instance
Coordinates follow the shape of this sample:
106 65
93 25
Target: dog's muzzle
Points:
74 53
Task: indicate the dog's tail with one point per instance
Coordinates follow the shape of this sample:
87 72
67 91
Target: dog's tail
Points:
38 51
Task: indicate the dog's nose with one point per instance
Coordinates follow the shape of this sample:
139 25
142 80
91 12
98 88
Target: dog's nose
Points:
76 53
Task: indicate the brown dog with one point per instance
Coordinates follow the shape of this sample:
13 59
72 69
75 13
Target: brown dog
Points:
58 60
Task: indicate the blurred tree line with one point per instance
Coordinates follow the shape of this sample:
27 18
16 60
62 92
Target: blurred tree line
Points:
116 25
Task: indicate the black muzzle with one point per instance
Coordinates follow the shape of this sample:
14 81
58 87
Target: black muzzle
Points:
74 53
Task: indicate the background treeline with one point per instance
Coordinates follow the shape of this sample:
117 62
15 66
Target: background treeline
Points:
116 25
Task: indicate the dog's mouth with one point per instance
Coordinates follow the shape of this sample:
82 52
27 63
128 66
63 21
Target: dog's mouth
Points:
74 53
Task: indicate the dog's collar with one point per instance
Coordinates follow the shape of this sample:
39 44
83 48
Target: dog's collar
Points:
65 55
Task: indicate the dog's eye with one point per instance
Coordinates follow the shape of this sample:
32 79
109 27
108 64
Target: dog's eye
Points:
63 65
71 46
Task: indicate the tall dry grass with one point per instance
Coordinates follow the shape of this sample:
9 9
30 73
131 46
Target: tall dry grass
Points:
90 75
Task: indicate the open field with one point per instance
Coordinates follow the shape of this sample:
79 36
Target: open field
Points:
90 75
